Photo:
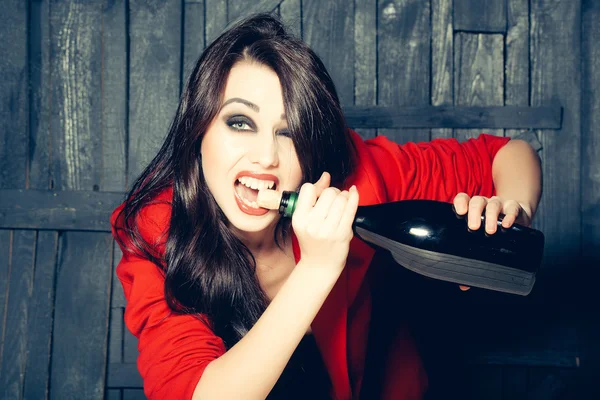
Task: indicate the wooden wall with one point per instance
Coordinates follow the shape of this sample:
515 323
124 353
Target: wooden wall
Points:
88 89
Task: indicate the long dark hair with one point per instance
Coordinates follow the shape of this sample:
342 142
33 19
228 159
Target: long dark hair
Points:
208 270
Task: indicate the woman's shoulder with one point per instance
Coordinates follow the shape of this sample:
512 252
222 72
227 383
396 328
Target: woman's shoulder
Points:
152 221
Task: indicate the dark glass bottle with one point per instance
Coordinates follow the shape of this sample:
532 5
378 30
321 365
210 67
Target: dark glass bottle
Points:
429 238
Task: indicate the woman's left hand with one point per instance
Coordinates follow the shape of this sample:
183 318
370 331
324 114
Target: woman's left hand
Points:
492 206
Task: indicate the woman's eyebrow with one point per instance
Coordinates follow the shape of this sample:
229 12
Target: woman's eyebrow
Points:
244 102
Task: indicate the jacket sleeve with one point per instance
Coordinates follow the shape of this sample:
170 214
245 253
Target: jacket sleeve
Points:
436 170
173 349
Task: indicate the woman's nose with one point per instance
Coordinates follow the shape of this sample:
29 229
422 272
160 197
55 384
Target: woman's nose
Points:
264 151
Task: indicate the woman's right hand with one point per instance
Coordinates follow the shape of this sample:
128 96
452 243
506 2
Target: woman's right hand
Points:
322 222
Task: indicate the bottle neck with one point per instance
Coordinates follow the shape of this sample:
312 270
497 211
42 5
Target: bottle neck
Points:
288 204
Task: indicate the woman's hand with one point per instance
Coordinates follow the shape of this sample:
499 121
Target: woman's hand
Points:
493 206
322 223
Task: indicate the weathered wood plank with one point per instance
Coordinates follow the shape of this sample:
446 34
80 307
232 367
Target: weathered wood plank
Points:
590 193
238 9
453 117
15 344
478 75
516 76
14 95
480 16
115 337
133 394
118 297
555 32
76 118
5 246
62 210
216 19
81 316
154 77
130 350
193 36
114 96
290 12
514 383
404 64
40 149
40 318
365 65
442 51
123 375
328 29
114 394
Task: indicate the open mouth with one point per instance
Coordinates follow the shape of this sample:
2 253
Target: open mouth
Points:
247 188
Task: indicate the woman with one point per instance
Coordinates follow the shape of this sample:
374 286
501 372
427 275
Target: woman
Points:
229 300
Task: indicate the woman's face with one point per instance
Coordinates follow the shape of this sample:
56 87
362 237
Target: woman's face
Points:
247 147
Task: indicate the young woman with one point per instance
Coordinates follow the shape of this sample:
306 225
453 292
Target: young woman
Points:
230 301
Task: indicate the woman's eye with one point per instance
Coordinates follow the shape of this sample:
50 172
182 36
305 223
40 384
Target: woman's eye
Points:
240 124
284 132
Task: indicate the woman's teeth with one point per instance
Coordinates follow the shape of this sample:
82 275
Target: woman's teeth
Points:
256 184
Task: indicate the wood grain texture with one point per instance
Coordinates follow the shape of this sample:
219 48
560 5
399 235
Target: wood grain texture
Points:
133 394
238 9
404 60
365 63
193 36
590 196
114 394
40 318
453 117
442 59
118 296
290 12
114 96
590 136
154 78
516 77
556 79
40 147
478 75
16 338
480 16
216 19
123 375
5 246
115 337
14 95
130 350
61 210
76 118
81 316
329 30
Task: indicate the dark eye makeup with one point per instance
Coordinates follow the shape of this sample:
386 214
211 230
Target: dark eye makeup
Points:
240 123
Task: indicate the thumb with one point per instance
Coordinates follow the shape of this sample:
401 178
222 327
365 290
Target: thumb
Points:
323 183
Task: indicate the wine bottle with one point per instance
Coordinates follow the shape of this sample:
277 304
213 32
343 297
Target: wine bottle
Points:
429 238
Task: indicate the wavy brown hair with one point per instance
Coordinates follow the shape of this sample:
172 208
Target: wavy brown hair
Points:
208 270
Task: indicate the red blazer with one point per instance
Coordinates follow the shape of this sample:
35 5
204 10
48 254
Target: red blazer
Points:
175 349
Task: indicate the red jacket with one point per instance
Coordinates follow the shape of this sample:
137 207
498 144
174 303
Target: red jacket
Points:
175 349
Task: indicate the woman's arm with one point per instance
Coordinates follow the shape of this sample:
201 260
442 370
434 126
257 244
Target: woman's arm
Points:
250 369
517 177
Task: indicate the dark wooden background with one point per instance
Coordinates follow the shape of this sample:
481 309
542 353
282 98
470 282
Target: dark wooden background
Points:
88 89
